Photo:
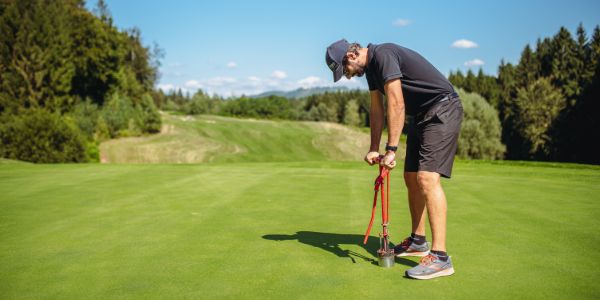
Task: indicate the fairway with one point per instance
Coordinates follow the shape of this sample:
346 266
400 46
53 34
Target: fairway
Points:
288 230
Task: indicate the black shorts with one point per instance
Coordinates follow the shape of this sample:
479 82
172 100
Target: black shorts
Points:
433 138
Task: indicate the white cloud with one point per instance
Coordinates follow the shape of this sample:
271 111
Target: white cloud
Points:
264 84
314 81
279 74
169 87
215 85
401 22
166 87
231 64
219 81
464 44
193 84
311 81
352 83
474 62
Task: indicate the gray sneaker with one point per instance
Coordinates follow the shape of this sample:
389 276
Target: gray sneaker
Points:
409 248
431 266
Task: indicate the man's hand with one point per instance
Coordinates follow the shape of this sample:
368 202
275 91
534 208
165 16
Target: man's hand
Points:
372 158
389 160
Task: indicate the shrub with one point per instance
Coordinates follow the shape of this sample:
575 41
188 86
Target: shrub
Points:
120 115
42 137
149 120
351 116
481 131
85 115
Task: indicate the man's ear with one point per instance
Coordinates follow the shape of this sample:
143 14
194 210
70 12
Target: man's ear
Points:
351 56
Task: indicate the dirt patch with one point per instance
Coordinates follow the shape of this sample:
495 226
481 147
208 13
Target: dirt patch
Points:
173 144
167 128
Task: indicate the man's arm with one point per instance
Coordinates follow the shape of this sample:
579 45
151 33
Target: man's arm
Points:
395 111
376 119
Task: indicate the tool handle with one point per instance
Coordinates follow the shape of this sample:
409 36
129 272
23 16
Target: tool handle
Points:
385 205
372 219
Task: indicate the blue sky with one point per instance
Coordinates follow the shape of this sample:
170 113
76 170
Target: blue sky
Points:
247 47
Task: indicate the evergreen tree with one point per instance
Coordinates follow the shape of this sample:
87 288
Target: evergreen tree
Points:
507 81
565 65
585 69
457 79
506 109
593 50
480 82
585 145
470 82
98 55
528 67
544 55
103 12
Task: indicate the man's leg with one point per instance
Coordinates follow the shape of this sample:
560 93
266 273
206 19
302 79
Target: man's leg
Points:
415 245
438 133
437 263
416 203
431 188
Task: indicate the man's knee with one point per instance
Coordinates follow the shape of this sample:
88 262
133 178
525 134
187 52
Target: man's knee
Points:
427 181
410 178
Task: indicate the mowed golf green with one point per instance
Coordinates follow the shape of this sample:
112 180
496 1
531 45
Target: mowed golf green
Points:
238 229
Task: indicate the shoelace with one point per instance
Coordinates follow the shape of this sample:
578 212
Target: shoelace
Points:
406 243
428 259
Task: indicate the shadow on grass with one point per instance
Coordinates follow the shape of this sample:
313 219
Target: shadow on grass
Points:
331 242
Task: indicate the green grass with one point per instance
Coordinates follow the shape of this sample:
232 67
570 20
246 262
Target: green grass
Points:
288 230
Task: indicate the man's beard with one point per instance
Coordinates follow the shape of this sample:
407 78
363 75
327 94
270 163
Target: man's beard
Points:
360 71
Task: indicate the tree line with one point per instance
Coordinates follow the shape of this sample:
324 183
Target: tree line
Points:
548 102
69 79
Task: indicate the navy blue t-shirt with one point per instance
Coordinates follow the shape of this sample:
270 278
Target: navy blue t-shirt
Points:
422 83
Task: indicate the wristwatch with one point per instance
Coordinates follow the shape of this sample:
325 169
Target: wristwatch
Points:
391 148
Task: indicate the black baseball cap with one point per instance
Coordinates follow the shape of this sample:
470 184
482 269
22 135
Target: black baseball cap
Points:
335 56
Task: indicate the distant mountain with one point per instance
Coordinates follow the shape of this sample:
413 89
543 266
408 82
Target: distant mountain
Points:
301 92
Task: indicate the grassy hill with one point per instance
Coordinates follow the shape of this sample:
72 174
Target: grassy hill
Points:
188 139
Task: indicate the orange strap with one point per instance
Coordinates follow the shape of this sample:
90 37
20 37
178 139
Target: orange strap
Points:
384 176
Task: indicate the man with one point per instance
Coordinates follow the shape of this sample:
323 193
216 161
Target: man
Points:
414 87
